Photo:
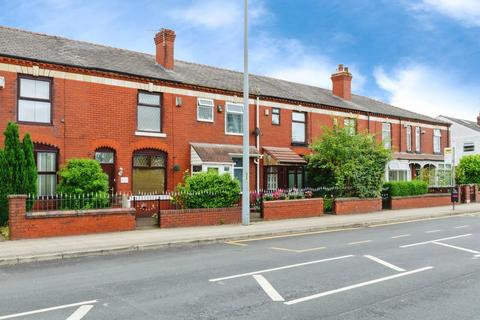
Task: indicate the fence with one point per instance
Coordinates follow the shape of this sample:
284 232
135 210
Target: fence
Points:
74 201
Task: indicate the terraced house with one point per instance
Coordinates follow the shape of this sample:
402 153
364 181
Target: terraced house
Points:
148 118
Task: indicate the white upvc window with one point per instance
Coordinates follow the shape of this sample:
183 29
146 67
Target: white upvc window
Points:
409 138
437 138
350 124
298 127
418 139
149 112
34 100
468 147
387 135
205 110
234 119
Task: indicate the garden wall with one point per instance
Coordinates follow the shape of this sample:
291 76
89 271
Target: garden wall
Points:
24 225
288 209
422 201
356 205
199 217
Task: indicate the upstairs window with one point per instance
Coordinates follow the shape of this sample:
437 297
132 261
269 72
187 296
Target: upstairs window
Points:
149 112
276 116
298 127
418 139
387 135
234 119
468 147
350 125
34 100
409 138
437 139
205 110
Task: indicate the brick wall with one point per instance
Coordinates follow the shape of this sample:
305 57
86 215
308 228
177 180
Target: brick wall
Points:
199 217
423 201
356 205
30 225
288 209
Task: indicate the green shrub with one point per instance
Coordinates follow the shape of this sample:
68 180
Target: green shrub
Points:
208 190
468 170
328 204
406 188
83 185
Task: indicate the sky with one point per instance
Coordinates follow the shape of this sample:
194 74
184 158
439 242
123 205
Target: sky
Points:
421 55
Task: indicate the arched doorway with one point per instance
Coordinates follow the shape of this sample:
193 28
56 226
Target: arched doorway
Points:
106 158
149 171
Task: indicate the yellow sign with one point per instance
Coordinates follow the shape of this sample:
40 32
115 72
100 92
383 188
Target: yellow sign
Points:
447 151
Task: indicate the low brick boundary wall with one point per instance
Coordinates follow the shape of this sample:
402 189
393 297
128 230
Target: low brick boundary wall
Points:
29 225
356 205
289 209
199 217
421 201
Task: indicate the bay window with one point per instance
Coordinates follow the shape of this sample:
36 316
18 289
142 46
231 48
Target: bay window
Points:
234 119
298 127
149 112
34 100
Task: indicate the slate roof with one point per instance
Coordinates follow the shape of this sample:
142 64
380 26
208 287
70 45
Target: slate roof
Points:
221 153
466 123
58 50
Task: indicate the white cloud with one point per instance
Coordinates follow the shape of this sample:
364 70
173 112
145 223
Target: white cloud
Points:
465 11
430 91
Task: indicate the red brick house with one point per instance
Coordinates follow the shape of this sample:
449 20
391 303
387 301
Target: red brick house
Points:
148 118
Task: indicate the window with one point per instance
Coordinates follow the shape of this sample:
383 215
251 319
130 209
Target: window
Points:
149 112
205 110
298 127
350 124
387 135
34 100
418 140
105 157
149 171
238 170
468 147
409 138
46 158
437 138
276 116
397 175
196 169
272 178
234 118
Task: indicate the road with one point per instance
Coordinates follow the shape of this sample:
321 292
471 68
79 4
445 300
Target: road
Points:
416 270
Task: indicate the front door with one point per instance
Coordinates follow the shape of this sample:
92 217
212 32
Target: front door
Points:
106 157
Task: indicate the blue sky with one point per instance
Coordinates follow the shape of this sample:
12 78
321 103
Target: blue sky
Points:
423 55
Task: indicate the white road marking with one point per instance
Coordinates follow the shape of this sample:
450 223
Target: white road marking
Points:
401 236
461 227
80 312
443 239
385 263
279 268
358 285
16 315
455 247
359 242
235 243
267 287
297 251
434 231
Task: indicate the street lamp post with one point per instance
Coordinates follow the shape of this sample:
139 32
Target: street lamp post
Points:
246 128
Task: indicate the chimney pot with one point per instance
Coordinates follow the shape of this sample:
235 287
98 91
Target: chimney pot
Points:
342 83
164 42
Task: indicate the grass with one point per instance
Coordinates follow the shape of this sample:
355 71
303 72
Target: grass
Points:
5 232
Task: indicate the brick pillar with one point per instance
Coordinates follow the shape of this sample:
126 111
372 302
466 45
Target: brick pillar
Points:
16 214
466 193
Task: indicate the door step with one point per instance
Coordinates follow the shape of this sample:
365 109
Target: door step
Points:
146 223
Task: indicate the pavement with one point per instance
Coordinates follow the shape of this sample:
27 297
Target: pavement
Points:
23 251
426 269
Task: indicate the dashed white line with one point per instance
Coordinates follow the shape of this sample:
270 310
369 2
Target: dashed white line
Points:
267 287
297 250
461 227
279 268
358 285
401 236
434 231
456 247
436 240
359 242
385 263
16 315
80 312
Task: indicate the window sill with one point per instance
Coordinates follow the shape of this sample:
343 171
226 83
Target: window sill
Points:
204 120
233 134
300 144
33 123
150 134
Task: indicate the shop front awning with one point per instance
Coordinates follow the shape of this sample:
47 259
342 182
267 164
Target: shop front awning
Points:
282 156
398 165
217 153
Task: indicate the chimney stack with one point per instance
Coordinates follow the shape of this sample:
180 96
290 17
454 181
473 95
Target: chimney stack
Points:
342 83
164 41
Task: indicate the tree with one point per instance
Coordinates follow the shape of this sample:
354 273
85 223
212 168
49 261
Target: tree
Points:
468 170
352 162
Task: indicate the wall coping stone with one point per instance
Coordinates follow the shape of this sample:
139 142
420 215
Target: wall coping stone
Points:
17 196
291 200
427 195
356 199
78 213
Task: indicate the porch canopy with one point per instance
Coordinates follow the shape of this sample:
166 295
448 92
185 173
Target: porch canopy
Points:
217 153
282 156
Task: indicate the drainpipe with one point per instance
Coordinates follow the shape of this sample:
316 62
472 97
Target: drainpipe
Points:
257 141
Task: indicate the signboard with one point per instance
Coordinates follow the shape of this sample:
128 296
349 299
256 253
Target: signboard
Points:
454 195
123 179
448 155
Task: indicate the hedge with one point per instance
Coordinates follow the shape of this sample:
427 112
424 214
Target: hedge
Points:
407 188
